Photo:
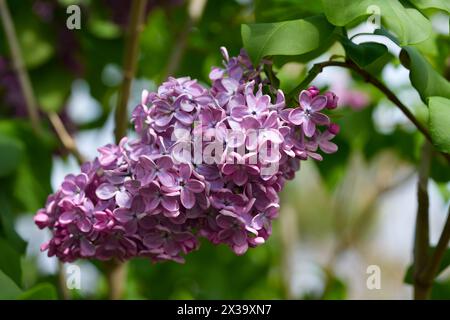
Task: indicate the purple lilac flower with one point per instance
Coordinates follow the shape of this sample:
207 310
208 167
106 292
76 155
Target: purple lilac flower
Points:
145 198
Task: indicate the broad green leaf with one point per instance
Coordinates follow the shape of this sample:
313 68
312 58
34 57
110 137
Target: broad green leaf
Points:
11 151
429 47
439 122
7 222
293 37
366 53
8 289
408 24
281 10
427 81
10 262
30 185
42 291
432 4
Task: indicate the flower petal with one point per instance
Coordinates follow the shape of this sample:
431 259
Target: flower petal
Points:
170 203
195 185
320 118
123 215
123 199
187 198
297 116
105 191
304 98
328 146
240 177
67 217
318 103
309 128
87 248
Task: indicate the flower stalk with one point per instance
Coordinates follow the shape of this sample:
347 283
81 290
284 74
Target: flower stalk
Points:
137 15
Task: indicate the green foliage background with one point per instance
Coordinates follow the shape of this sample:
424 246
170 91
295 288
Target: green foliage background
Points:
288 31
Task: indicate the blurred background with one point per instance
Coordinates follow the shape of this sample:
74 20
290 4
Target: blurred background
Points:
353 210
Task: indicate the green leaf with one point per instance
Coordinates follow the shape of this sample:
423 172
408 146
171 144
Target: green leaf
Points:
432 4
293 37
10 262
409 276
42 291
104 29
427 81
366 53
7 223
37 47
8 289
30 185
408 24
281 10
439 122
52 86
336 290
11 151
440 290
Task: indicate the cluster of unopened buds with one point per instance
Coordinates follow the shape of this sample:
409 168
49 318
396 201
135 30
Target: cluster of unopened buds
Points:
208 162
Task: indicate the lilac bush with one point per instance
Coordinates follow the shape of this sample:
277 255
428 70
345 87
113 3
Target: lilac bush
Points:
209 162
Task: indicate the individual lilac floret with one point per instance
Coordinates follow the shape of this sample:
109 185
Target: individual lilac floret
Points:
307 114
153 197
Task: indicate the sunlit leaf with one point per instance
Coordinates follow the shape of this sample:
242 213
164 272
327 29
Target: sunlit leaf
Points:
408 24
432 4
293 37
427 81
439 122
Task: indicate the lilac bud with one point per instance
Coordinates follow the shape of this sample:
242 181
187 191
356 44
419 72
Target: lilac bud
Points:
332 100
313 90
334 128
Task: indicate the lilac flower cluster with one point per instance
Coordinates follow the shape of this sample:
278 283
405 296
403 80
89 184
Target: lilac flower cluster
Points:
155 197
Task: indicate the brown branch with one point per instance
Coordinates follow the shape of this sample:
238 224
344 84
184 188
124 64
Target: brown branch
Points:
62 285
431 270
116 273
66 139
136 25
421 238
318 68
